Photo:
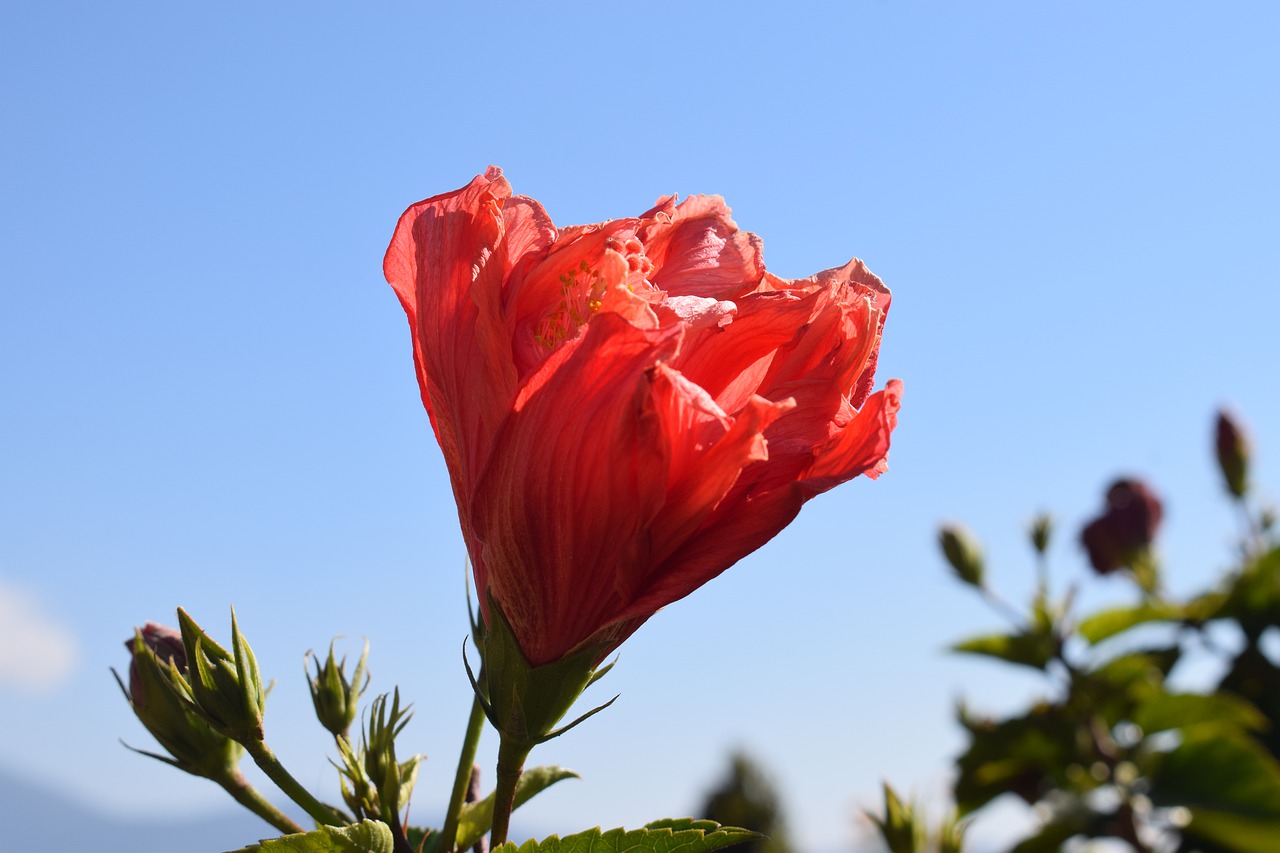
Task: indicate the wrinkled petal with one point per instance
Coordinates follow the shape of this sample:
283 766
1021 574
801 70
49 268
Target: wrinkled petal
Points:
698 250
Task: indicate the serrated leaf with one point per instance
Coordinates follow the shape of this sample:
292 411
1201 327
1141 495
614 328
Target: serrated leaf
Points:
1108 623
369 836
1034 650
662 836
475 819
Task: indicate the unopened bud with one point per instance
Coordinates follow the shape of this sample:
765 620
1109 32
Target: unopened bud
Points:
336 699
1233 454
962 553
226 685
160 696
1041 530
1121 537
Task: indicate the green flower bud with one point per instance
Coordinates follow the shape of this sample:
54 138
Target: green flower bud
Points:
160 696
336 699
1232 449
394 780
962 553
1041 530
225 686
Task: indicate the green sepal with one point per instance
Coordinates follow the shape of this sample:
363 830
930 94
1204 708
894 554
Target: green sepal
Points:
664 836
476 819
370 836
524 702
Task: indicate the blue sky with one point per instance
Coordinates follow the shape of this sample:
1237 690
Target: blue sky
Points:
209 397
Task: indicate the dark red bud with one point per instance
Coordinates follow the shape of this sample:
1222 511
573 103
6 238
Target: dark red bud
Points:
1233 454
165 643
1125 529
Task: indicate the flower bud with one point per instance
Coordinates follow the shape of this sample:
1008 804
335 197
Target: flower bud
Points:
1233 454
962 553
225 686
1041 530
393 780
1121 537
160 696
336 699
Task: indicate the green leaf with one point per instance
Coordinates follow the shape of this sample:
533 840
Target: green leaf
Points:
1181 710
476 819
1035 650
663 836
370 836
1220 772
1108 623
1234 832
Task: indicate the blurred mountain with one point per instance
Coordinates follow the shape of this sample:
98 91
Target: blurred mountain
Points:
37 819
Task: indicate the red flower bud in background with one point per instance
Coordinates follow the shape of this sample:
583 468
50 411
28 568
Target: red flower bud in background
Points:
163 642
1121 537
628 408
1232 449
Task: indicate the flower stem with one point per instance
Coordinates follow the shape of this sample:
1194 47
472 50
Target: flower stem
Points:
248 796
270 765
511 758
475 725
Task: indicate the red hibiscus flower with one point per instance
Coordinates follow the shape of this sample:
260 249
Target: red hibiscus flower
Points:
628 408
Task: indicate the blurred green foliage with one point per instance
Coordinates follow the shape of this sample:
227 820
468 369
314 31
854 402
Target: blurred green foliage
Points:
1113 749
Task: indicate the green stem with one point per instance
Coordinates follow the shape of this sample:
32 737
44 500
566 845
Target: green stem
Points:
270 765
511 758
247 795
466 760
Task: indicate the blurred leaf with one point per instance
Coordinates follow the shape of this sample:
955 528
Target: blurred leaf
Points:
370 836
476 819
1108 623
1020 755
1054 833
1034 650
1219 771
1234 832
664 836
1181 710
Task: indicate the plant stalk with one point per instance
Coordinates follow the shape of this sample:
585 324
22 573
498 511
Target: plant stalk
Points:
467 758
270 765
511 757
248 796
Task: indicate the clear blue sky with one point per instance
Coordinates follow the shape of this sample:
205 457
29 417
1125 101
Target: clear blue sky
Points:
208 396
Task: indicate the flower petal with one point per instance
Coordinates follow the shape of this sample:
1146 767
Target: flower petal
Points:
444 265
698 250
567 500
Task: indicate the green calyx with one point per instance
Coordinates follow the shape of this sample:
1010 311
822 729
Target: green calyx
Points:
226 687
524 702
336 699
161 698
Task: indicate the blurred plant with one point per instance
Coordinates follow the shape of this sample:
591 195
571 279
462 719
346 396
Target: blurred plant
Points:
905 829
1114 750
747 798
